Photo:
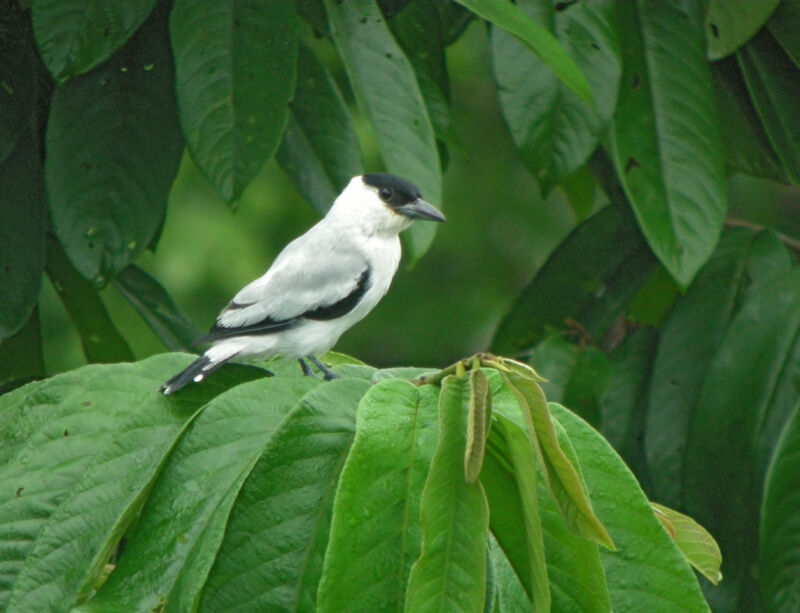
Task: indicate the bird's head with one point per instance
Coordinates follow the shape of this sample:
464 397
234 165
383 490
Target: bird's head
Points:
383 203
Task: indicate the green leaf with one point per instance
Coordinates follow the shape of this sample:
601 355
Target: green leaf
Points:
562 477
537 37
510 595
22 355
320 150
588 382
779 541
375 534
74 36
100 340
554 129
235 72
580 188
689 341
171 548
785 26
774 84
748 394
695 543
521 455
647 572
747 148
108 193
19 68
286 501
22 227
605 252
665 138
79 451
479 420
156 307
731 23
386 88
450 574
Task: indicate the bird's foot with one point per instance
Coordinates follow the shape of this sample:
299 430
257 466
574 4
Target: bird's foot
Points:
328 375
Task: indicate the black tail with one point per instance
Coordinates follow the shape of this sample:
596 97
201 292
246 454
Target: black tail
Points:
196 371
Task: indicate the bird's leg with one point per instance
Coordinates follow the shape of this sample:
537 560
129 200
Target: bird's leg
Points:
306 368
328 375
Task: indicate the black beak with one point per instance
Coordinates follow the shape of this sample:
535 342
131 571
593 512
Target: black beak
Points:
419 209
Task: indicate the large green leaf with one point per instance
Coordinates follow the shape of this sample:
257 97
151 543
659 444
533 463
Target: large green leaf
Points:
450 574
606 251
79 451
748 393
375 533
156 307
774 83
235 72
386 88
665 138
510 17
731 23
19 68
747 148
320 150
171 548
647 572
22 227
553 128
779 562
74 36
108 193
271 556
22 355
510 596
689 341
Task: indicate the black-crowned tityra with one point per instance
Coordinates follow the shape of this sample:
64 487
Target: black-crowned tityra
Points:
321 284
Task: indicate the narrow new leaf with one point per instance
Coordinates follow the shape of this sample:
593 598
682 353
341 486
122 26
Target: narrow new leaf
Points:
386 88
375 534
478 422
510 17
563 480
450 575
694 541
235 72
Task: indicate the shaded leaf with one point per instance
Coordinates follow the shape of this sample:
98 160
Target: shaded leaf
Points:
779 541
546 46
749 392
22 228
509 595
100 339
450 574
665 138
78 451
784 26
386 88
22 355
774 84
156 307
108 193
607 249
375 534
554 129
694 541
171 548
235 72
320 150
280 570
731 23
647 572
74 36
689 341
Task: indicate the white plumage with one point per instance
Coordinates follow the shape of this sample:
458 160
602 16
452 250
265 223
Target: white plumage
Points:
322 282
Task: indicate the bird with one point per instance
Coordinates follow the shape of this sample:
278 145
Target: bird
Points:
320 284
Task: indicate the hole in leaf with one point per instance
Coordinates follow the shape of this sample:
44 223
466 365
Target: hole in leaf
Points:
714 29
565 4
631 165
19 491
636 82
66 432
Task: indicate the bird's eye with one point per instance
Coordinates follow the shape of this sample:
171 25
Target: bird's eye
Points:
386 193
